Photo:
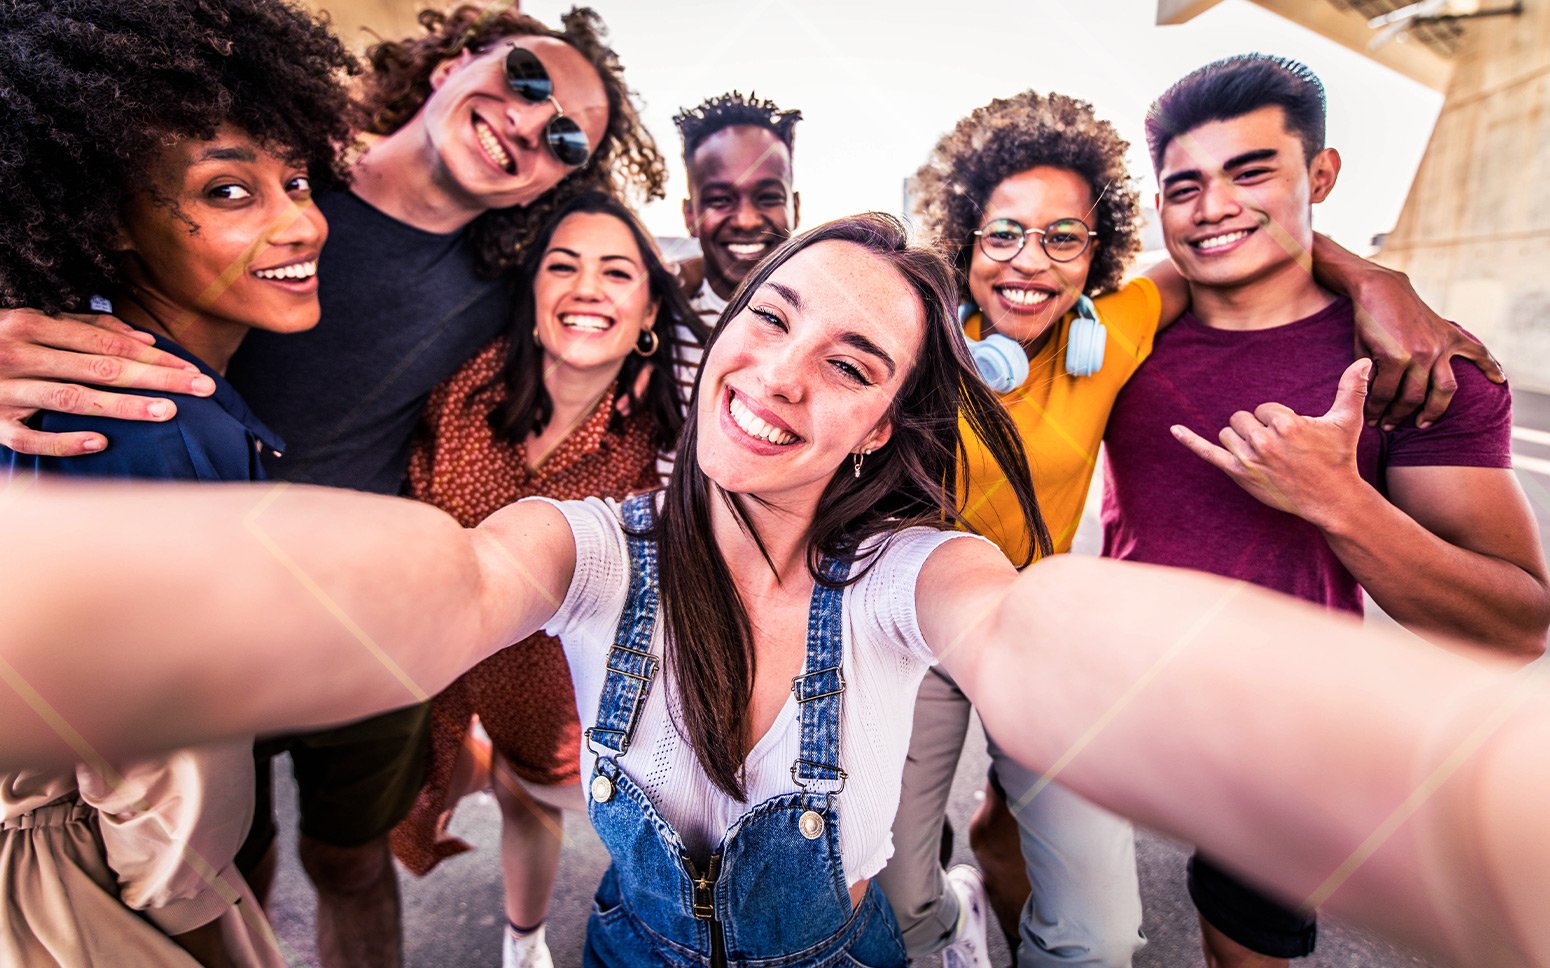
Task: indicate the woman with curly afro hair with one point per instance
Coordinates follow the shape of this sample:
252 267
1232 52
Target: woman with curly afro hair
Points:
159 156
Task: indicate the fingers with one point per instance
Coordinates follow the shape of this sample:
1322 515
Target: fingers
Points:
1275 415
24 440
1351 393
25 361
1384 388
30 396
1204 449
1443 385
1474 351
102 336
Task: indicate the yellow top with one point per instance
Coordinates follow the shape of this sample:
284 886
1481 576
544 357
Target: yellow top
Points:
1060 418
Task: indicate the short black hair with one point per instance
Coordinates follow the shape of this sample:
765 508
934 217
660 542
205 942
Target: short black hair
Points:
1235 86
713 114
89 90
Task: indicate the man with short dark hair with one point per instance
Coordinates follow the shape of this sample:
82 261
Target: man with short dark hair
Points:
737 155
1300 496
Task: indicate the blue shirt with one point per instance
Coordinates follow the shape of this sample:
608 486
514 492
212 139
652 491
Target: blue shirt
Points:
214 438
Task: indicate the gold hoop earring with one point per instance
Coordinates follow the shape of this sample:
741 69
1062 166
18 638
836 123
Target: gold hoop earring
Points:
535 338
652 347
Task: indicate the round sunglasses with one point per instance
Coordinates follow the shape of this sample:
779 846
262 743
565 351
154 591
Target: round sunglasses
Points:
525 74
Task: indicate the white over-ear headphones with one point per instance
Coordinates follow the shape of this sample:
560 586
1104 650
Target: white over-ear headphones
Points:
1084 348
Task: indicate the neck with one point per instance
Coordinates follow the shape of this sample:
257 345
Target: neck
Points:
402 176
721 286
211 341
575 393
1285 296
782 529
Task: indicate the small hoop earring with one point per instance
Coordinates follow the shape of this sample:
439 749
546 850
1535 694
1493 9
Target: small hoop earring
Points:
535 338
856 459
650 349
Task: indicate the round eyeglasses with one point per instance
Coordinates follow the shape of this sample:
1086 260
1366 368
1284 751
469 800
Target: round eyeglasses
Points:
526 75
1062 240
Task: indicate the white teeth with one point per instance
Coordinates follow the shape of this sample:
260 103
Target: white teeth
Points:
295 271
1025 297
755 427
492 145
744 250
589 323
1217 241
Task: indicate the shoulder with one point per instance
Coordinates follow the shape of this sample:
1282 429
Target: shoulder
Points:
1475 430
1134 307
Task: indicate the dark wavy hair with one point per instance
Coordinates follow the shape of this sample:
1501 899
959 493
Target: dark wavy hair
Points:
1009 136
912 480
1235 86
528 407
90 90
713 114
625 162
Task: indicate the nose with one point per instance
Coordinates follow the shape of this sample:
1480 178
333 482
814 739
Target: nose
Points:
1032 258
1217 201
588 285
746 216
526 121
781 372
297 222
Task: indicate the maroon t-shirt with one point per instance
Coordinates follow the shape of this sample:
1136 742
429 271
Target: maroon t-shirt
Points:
1164 505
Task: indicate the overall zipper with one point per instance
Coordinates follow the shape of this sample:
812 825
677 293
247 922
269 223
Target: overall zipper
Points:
705 904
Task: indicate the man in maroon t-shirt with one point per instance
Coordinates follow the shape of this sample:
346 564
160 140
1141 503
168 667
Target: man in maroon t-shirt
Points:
1300 496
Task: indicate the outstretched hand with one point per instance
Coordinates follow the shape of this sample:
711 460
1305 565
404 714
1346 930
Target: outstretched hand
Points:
1301 465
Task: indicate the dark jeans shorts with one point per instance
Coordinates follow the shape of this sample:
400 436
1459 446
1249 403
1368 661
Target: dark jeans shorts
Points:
1247 916
354 782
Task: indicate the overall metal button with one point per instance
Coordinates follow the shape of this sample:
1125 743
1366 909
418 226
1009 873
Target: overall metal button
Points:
811 824
602 789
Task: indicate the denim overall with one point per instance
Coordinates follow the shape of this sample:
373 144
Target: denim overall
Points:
773 892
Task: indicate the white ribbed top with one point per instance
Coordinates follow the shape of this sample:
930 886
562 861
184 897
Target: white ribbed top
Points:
884 660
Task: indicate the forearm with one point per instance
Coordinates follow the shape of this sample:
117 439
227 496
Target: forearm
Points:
1340 270
1433 586
1279 738
212 611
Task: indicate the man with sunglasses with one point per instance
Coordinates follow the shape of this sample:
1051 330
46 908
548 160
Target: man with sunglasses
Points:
480 120
1301 496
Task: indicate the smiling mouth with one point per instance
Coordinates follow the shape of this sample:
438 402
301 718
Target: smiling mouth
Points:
295 272
750 423
1024 298
586 322
746 251
493 148
1214 242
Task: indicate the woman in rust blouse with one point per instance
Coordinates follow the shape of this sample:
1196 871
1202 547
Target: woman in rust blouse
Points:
576 400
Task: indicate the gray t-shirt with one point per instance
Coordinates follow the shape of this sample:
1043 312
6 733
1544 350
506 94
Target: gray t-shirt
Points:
402 309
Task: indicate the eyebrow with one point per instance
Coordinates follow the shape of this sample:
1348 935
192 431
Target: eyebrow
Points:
1236 161
576 255
227 154
848 337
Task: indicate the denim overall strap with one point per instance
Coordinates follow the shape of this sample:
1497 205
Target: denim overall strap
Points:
631 666
819 690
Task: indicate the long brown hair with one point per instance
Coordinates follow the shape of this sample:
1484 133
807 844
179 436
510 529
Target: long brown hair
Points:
910 481
528 406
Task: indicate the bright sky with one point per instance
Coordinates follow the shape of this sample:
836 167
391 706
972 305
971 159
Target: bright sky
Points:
878 83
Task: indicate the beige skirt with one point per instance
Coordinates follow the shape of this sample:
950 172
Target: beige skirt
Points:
59 903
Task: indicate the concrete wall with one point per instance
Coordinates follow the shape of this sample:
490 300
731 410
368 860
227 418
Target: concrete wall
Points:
1474 234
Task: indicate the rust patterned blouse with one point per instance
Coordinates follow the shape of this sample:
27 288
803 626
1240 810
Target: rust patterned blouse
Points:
521 694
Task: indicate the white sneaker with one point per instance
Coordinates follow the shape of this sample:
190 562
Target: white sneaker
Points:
969 947
525 951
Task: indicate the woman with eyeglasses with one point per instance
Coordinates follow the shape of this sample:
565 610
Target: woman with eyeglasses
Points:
740 643
555 408
1031 200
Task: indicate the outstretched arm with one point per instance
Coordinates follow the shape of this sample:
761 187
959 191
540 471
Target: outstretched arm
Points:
222 610
1384 779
